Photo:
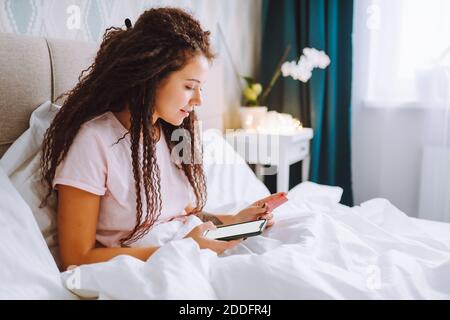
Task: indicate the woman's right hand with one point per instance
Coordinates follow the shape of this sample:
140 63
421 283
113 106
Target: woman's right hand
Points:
217 246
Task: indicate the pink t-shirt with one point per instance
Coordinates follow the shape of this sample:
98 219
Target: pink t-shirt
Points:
96 164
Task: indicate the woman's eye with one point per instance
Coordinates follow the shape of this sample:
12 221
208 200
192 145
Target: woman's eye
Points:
189 88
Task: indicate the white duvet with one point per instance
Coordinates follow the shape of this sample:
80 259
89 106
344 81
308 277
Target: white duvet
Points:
317 249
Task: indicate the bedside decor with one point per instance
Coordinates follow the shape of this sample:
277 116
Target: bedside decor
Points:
253 112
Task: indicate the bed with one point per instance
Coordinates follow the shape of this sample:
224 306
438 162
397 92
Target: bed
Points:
318 248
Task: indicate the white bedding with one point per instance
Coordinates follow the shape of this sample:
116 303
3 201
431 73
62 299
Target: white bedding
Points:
27 269
439 230
318 249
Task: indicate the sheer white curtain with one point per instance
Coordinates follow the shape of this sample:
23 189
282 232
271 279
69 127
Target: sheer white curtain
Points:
406 49
401 104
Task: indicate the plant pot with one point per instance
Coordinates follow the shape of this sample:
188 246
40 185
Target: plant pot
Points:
252 117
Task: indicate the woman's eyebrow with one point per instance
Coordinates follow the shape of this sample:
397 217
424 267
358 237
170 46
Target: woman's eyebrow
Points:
193 80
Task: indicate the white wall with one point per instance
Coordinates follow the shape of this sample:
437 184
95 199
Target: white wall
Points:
387 150
240 20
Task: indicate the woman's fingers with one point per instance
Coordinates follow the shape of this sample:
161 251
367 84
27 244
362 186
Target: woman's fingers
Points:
258 209
266 199
253 212
220 246
233 243
208 226
202 228
267 216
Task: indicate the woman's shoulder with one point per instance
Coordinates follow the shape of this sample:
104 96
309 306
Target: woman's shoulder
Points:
94 136
100 127
99 123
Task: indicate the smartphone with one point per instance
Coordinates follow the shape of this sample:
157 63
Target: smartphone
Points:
275 202
237 230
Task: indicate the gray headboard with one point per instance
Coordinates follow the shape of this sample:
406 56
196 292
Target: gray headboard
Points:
34 70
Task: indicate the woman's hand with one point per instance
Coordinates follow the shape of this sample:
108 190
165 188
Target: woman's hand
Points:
257 210
205 243
251 213
268 198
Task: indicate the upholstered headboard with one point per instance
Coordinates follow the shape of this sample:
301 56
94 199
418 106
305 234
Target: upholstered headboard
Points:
34 70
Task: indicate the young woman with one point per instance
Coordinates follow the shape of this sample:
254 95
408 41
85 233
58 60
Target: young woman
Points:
108 150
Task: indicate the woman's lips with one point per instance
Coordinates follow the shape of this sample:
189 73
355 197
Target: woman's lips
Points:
184 112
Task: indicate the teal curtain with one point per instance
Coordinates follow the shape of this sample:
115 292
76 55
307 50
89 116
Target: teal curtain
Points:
323 103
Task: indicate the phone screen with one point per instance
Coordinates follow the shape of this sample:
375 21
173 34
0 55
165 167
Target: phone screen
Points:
236 230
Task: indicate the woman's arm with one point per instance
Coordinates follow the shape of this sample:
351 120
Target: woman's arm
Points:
257 210
217 219
77 224
105 254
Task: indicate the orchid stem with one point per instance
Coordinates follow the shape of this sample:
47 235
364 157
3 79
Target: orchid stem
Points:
275 76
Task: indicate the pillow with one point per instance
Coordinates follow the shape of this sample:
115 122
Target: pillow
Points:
27 269
21 163
228 177
314 192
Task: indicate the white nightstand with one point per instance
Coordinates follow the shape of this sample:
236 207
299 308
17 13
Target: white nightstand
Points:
278 151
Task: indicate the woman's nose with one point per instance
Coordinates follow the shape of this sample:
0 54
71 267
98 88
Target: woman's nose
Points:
197 98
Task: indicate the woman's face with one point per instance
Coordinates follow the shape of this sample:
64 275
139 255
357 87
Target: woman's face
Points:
180 92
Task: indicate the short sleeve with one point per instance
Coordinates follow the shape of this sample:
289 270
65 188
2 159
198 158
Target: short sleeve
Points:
85 165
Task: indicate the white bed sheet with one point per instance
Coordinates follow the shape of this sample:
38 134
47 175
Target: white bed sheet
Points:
318 249
440 230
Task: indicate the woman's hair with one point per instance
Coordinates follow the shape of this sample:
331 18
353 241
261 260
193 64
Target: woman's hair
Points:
127 70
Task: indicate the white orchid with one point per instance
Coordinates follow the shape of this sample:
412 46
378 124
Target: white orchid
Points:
310 59
324 60
288 68
301 70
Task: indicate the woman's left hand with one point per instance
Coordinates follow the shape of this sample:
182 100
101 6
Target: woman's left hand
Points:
256 211
251 213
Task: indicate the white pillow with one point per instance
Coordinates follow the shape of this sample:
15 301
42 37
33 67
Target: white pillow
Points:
27 269
229 179
21 163
314 192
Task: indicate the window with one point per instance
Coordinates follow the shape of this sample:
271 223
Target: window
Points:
402 51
